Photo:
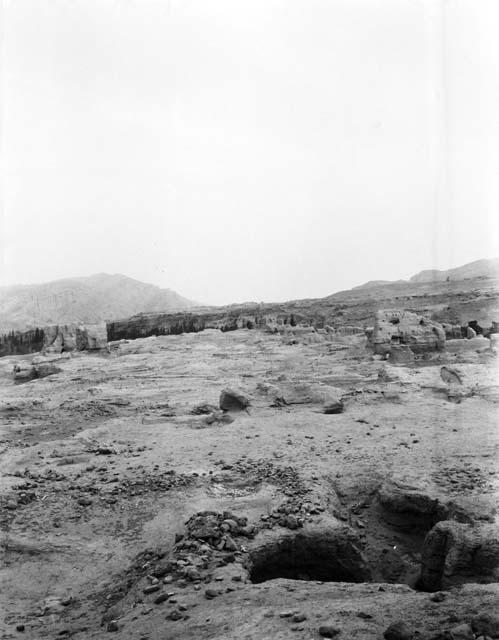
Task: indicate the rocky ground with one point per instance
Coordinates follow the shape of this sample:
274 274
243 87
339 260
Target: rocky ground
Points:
132 505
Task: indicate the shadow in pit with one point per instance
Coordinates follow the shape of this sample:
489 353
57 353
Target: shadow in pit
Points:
328 556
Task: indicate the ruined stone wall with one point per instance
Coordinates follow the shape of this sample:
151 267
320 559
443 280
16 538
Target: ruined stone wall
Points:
393 327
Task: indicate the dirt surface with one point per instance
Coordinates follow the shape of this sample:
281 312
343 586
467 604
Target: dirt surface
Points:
125 511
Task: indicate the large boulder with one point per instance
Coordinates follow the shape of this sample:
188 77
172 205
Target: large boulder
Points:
231 400
454 553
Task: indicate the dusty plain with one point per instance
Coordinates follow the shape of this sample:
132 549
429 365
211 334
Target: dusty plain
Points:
103 464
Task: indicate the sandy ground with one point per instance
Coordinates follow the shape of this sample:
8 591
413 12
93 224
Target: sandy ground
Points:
105 461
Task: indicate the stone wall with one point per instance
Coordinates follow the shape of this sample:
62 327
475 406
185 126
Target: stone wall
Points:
393 327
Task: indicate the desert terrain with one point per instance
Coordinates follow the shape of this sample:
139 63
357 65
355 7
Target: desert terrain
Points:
250 484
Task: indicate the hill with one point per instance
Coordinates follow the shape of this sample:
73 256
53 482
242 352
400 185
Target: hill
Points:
93 299
476 269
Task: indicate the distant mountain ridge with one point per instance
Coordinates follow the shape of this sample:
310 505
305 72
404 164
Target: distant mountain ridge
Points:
107 298
475 269
87 300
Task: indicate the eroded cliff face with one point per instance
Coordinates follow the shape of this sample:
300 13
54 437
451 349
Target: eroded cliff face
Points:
54 339
162 324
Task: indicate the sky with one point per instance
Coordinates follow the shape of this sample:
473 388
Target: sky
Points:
259 150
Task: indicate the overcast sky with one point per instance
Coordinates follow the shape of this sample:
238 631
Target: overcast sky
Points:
248 150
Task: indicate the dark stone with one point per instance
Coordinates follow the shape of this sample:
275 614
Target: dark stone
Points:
152 588
334 407
203 409
84 501
328 631
399 630
299 617
161 598
233 401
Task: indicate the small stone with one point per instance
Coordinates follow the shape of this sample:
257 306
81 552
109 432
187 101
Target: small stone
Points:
328 631
334 407
210 594
291 522
399 630
230 545
439 596
20 627
11 505
299 617
151 588
161 598
286 614
112 626
462 632
84 501
174 615
192 574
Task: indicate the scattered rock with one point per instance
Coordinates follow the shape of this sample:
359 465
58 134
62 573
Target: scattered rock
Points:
203 409
174 615
486 624
462 632
399 630
328 631
299 617
218 417
231 400
161 598
334 407
450 376
152 588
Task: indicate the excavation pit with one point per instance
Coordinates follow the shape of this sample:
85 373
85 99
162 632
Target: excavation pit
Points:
331 556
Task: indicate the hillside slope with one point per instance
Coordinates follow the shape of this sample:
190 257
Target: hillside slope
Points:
92 299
